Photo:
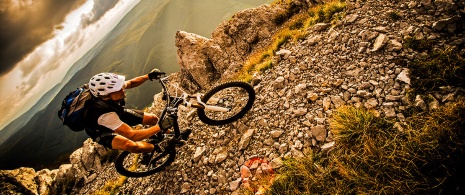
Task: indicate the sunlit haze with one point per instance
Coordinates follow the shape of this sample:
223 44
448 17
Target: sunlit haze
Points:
46 66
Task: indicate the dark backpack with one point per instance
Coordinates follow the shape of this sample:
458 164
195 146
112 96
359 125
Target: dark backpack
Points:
73 111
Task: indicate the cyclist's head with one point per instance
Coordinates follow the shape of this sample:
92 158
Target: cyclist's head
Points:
103 84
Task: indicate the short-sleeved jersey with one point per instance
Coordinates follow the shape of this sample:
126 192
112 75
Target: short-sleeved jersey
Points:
103 117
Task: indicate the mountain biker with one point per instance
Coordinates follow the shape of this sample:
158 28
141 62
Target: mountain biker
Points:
109 123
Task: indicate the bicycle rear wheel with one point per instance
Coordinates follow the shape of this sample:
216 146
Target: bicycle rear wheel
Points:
132 165
237 96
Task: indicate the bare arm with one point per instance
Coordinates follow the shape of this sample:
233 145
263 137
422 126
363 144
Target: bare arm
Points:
136 135
136 81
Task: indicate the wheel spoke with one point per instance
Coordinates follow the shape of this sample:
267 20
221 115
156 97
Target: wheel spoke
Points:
237 96
234 98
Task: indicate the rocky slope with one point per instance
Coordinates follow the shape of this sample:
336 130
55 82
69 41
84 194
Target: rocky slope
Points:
354 62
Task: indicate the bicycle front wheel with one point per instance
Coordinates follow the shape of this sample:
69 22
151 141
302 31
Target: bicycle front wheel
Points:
238 97
133 165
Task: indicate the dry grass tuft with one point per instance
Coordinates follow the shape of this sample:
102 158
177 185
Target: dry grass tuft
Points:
372 157
112 187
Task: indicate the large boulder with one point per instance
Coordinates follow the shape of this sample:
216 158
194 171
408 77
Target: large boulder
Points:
89 157
85 161
18 181
45 179
203 61
65 180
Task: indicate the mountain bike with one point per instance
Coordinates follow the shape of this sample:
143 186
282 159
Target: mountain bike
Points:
221 105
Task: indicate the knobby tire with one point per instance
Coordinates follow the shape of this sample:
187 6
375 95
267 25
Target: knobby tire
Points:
248 89
120 167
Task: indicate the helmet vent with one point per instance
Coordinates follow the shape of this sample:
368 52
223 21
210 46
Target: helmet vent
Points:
105 83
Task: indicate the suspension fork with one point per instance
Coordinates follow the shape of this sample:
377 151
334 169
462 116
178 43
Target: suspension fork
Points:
173 115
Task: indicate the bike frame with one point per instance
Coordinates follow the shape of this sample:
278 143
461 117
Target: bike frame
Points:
173 102
165 143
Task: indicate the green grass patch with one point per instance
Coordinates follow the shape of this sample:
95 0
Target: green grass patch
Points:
326 13
438 68
373 157
294 27
112 187
264 65
418 44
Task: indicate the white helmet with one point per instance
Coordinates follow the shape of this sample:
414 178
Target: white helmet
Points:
105 83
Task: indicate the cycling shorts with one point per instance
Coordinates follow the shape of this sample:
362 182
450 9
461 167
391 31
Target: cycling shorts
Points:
131 117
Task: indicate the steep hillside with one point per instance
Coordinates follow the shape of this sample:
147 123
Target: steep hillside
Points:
141 41
360 60
356 61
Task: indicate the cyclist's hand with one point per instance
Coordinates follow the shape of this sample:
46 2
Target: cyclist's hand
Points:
155 74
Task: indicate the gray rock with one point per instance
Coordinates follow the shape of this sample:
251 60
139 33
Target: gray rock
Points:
65 179
186 186
326 103
89 157
392 98
233 185
300 111
404 76
276 163
279 83
328 146
221 154
449 97
351 18
245 140
420 103
380 41
45 179
199 152
390 113
371 103
283 148
284 53
434 103
443 23
337 101
320 27
314 40
296 153
199 70
276 133
394 45
319 132
21 179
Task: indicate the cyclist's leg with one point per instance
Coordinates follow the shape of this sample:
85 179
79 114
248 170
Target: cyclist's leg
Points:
149 119
134 117
121 143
